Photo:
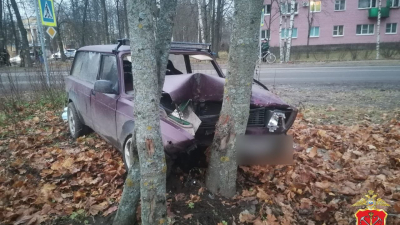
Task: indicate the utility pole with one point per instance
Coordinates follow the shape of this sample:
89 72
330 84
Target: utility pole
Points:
41 37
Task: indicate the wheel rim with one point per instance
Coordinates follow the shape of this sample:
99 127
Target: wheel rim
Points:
127 153
71 121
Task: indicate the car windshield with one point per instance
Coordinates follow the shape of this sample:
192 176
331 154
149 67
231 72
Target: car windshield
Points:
187 64
177 64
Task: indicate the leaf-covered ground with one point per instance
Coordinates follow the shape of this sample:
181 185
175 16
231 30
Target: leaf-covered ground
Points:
46 177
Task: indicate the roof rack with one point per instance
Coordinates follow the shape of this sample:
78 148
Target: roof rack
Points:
121 42
191 46
174 45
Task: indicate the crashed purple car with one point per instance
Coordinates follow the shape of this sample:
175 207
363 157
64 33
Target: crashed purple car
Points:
100 94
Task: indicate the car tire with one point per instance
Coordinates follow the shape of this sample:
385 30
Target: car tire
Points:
127 161
76 127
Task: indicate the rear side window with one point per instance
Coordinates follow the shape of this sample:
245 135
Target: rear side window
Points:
86 66
109 70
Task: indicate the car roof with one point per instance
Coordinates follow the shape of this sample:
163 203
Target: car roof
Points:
127 48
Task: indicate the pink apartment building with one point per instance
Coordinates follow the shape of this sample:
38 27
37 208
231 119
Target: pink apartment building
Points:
335 22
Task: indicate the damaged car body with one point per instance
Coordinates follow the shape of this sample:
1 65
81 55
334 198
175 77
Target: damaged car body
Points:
100 90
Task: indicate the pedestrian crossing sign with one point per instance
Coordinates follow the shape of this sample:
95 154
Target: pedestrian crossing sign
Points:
47 13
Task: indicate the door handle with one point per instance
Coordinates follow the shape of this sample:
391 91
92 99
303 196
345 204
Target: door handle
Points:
92 92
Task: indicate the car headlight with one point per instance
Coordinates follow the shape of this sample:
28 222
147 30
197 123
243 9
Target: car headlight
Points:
273 123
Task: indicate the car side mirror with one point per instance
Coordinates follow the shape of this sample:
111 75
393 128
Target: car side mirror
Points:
104 86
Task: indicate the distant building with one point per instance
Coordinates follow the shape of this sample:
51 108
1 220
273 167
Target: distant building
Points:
335 22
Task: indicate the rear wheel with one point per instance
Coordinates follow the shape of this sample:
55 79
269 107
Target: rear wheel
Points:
271 58
76 127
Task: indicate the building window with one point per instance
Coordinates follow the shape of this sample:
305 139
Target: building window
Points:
285 33
365 4
285 10
265 34
338 31
365 29
340 5
315 6
391 28
267 9
314 32
395 3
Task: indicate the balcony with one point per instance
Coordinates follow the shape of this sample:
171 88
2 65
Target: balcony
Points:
373 12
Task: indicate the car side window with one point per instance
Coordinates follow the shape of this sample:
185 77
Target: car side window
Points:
109 70
86 66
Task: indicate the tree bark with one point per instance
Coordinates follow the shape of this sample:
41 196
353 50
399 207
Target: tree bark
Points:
378 30
151 57
281 54
105 20
14 31
84 21
289 41
60 44
126 19
217 30
201 25
2 38
310 18
24 38
222 168
213 25
118 19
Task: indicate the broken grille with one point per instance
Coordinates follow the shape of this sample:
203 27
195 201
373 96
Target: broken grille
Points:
257 117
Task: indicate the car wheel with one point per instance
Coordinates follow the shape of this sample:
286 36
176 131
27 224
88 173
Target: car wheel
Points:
127 153
76 127
128 160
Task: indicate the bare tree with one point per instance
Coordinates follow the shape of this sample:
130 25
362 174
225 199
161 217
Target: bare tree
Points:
222 168
105 21
126 19
378 29
289 38
14 31
84 21
201 21
2 37
24 37
151 57
281 53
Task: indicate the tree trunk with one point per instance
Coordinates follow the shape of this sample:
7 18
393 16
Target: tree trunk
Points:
14 31
105 21
60 44
151 61
222 168
118 20
217 30
24 38
213 25
378 29
310 22
289 42
281 54
2 38
201 25
126 19
84 22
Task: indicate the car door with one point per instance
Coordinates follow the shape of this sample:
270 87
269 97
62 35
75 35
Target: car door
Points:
104 105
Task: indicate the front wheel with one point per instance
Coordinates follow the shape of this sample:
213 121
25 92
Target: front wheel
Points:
271 58
128 157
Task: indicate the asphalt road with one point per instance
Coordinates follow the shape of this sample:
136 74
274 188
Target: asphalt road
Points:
296 76
357 75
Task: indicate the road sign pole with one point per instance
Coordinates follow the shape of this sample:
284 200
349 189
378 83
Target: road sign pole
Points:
41 37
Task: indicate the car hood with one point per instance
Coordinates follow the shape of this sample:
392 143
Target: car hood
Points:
202 87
